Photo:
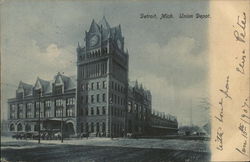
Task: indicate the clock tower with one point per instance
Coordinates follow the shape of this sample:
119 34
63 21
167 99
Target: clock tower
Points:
102 81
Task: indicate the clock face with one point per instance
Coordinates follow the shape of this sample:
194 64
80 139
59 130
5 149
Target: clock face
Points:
94 40
119 44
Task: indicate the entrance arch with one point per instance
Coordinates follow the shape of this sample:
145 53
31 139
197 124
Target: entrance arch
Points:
12 127
27 128
69 128
19 127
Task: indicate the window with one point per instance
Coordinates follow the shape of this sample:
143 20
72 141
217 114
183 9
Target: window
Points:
38 106
97 111
69 111
87 86
104 84
87 127
70 101
83 87
58 112
115 86
103 110
48 103
12 111
115 99
20 111
48 112
37 92
86 111
97 85
28 110
97 97
104 97
97 127
118 99
112 98
92 98
112 85
92 111
58 89
92 86
87 99
112 111
136 108
103 127
129 106
59 102
92 127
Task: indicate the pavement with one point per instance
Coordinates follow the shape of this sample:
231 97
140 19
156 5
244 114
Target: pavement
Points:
172 144
105 150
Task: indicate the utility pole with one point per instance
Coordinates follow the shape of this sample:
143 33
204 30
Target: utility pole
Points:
39 120
191 114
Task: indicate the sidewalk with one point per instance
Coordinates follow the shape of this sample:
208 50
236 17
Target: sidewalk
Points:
172 144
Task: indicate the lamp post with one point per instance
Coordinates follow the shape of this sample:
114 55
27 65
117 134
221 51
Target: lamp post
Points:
39 120
62 126
110 108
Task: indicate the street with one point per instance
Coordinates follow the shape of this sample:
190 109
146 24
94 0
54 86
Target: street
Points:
93 150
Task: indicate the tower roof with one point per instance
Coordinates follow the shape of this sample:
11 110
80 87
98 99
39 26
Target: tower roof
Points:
94 27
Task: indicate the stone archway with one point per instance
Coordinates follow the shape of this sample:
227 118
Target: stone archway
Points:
12 127
69 128
19 127
27 128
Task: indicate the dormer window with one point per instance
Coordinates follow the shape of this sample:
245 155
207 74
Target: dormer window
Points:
19 95
37 92
58 89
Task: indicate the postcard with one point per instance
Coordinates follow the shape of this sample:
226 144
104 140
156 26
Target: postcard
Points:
125 81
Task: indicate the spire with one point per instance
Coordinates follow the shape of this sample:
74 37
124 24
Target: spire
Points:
141 86
136 84
104 23
94 27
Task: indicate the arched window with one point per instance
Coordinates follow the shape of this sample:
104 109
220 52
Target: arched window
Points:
36 127
19 127
27 128
87 127
97 127
103 127
12 127
92 127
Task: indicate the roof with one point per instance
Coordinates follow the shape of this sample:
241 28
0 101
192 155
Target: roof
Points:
25 88
94 27
134 85
68 82
104 27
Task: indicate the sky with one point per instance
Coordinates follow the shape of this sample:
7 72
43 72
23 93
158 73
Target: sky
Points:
169 57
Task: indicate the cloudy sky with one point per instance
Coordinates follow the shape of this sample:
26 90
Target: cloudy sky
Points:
168 56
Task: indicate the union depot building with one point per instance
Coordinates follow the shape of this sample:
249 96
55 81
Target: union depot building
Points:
99 100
